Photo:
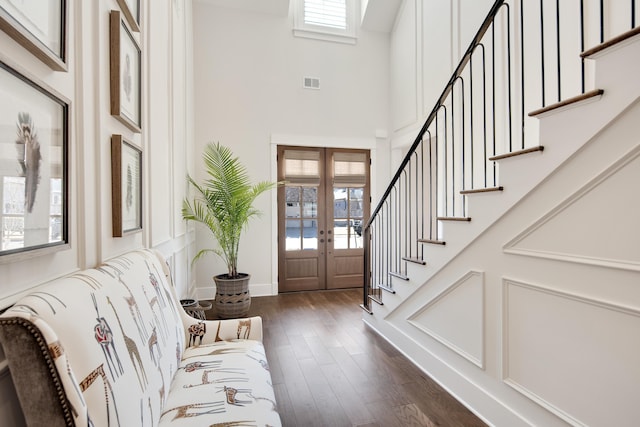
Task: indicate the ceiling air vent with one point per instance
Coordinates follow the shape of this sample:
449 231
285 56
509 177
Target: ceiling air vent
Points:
311 83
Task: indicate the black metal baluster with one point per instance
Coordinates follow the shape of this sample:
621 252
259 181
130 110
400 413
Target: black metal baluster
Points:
407 220
509 111
542 56
558 49
385 272
408 206
484 110
432 210
436 173
471 134
453 149
398 232
459 78
522 85
365 288
445 165
422 213
493 88
582 36
601 21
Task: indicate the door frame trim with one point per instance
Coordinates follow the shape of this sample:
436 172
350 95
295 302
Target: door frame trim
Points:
311 141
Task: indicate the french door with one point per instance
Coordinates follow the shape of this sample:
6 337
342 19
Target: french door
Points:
322 209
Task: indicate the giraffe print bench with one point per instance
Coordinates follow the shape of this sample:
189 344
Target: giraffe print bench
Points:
111 346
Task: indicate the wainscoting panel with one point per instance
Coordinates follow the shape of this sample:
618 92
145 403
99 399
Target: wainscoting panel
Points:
591 220
180 270
455 317
572 355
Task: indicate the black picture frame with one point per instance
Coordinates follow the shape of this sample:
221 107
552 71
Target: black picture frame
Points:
46 42
34 175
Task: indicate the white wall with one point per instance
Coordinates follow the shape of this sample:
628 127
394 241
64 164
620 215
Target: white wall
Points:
166 141
248 70
427 42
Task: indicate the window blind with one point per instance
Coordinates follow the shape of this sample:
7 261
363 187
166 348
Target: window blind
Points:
349 169
326 13
302 167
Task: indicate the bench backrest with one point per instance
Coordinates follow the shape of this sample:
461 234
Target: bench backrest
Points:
97 347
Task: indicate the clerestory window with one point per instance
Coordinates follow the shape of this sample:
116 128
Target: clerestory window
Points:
332 20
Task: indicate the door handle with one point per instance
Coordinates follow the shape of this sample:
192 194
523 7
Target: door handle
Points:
329 240
321 240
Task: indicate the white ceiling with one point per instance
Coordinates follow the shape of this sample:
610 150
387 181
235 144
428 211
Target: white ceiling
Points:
380 15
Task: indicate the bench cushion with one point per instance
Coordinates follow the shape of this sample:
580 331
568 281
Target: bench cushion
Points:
223 383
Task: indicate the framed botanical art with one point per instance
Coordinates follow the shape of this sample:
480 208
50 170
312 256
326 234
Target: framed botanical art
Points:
131 11
40 27
126 186
34 140
125 73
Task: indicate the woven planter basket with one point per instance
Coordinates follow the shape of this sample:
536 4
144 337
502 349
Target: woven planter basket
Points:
232 296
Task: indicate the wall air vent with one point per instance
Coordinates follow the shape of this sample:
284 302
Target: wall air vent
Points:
311 83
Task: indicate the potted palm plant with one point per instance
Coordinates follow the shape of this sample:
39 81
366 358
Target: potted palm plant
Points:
224 203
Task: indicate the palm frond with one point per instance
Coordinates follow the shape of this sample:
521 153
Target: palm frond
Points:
224 202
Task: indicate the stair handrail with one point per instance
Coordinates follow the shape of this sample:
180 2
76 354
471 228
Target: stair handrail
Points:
366 232
475 42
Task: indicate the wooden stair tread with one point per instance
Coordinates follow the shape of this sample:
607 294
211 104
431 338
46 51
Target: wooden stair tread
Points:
376 300
454 218
482 190
387 288
362 306
618 39
569 101
414 260
517 153
432 241
399 275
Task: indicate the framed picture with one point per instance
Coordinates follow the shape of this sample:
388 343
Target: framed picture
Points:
40 27
125 73
34 140
126 186
131 11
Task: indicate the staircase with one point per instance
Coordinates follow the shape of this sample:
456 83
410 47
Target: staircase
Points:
504 257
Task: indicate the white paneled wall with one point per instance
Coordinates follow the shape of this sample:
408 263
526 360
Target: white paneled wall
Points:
404 71
427 42
166 140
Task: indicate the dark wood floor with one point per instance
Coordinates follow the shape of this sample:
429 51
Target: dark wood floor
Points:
329 369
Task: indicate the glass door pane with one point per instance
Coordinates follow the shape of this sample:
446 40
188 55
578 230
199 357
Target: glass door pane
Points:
348 214
356 216
340 218
292 210
301 218
310 218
